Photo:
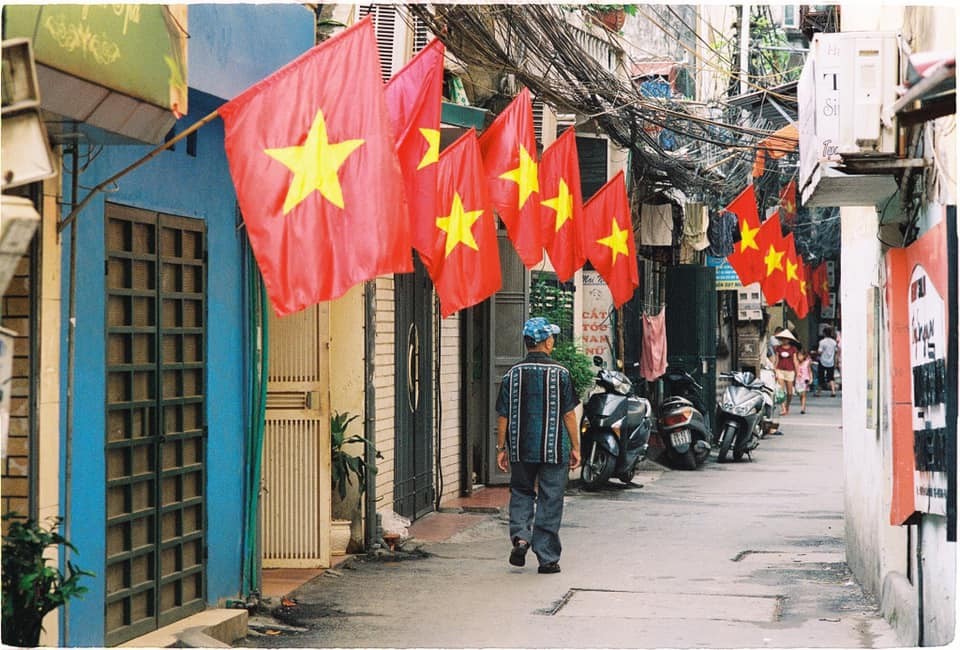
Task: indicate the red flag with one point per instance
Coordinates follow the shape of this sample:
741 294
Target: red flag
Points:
746 258
822 284
561 203
509 149
774 250
413 98
467 266
305 147
793 270
788 204
806 295
608 238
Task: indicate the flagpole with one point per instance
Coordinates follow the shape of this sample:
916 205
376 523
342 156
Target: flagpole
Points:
155 152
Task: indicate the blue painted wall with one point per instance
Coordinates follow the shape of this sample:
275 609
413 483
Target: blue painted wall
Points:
221 55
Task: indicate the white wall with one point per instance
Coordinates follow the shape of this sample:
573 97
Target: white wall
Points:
877 551
865 485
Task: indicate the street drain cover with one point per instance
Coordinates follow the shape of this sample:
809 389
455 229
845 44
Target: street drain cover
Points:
660 605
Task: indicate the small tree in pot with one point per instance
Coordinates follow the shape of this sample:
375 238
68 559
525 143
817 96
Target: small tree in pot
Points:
31 589
348 473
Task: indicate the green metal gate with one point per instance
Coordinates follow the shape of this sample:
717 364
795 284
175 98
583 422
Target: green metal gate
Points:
691 297
155 418
413 492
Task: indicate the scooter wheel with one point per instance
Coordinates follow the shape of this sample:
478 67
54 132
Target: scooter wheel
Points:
597 469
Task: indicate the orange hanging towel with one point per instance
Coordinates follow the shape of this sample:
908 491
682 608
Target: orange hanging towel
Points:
777 145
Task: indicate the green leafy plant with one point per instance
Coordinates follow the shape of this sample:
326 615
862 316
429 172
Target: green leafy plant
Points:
581 368
344 466
551 301
31 588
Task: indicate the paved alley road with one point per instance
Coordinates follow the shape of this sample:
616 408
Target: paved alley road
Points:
736 555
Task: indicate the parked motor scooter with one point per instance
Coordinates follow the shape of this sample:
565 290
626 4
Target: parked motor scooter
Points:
682 428
614 431
740 414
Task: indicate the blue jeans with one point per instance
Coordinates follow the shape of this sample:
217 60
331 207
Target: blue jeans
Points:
536 506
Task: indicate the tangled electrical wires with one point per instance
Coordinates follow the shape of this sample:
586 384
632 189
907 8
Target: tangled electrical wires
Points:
545 48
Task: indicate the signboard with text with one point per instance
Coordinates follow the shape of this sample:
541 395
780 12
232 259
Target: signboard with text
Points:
597 338
923 433
727 279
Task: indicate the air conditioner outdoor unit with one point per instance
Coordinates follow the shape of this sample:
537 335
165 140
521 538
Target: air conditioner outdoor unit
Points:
848 79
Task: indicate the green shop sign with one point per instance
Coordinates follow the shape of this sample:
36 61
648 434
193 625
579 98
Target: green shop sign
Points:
139 50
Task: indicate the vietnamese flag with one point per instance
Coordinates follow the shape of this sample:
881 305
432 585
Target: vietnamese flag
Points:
806 294
316 174
773 283
509 149
413 98
467 259
746 258
608 238
821 284
788 204
793 270
561 205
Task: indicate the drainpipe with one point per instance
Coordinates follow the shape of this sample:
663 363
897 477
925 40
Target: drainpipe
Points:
71 365
369 411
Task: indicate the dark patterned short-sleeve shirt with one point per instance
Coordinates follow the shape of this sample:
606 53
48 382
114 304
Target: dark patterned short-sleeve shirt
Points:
534 396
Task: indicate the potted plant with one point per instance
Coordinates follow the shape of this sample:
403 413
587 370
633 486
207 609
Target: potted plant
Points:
611 16
31 588
348 474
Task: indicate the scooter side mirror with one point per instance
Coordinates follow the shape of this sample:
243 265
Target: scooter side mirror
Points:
598 361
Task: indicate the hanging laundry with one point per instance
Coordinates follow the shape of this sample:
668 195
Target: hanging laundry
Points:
723 233
656 224
653 357
695 223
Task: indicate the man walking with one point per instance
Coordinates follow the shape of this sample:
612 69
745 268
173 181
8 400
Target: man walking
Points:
535 405
827 360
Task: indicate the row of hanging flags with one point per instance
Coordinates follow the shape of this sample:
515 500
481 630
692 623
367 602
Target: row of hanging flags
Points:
765 255
339 176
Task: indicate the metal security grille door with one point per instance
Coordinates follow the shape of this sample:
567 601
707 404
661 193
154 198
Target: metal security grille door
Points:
296 442
155 418
413 482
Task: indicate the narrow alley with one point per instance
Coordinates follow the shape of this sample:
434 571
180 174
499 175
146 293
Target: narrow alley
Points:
737 555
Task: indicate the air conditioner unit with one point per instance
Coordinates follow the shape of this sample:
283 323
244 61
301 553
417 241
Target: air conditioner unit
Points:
847 80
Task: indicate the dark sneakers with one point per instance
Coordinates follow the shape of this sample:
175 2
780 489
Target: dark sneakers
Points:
549 567
518 556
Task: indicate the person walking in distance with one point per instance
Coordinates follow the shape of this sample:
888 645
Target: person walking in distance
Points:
804 377
827 359
786 365
538 441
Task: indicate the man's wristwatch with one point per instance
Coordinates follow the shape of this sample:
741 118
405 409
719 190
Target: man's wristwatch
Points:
499 449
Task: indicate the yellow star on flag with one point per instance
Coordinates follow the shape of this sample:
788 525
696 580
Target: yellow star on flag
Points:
792 271
525 175
616 241
458 225
314 165
748 237
774 260
803 287
432 154
562 203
